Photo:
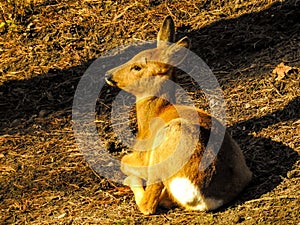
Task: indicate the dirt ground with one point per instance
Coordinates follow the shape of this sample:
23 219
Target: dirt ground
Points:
253 48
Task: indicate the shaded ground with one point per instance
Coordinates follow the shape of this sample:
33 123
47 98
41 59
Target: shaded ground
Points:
46 46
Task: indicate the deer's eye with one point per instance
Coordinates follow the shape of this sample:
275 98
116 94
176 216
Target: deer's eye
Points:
136 68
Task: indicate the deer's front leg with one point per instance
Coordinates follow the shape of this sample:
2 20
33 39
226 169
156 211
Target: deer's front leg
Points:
147 199
134 164
136 185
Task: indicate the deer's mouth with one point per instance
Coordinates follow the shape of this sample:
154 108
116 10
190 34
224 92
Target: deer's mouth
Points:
109 80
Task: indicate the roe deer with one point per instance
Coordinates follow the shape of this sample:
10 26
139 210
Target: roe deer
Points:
165 128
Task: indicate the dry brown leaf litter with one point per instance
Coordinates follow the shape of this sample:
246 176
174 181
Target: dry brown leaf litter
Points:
45 46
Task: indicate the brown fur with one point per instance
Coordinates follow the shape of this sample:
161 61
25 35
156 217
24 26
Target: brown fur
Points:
162 127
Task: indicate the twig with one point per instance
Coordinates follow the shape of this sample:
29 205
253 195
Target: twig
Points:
3 18
272 198
124 11
169 10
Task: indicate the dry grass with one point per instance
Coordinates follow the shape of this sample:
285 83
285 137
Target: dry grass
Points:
45 47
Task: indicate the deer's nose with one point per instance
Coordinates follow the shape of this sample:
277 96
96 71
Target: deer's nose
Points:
108 78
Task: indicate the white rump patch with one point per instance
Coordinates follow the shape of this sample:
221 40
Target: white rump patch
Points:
189 196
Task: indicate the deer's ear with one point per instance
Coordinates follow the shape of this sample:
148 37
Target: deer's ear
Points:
177 52
166 33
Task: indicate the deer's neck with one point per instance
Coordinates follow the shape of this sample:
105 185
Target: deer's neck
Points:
149 108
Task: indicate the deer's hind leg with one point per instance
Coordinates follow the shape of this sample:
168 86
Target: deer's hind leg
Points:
165 201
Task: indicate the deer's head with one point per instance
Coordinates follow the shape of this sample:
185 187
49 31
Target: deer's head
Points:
146 71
